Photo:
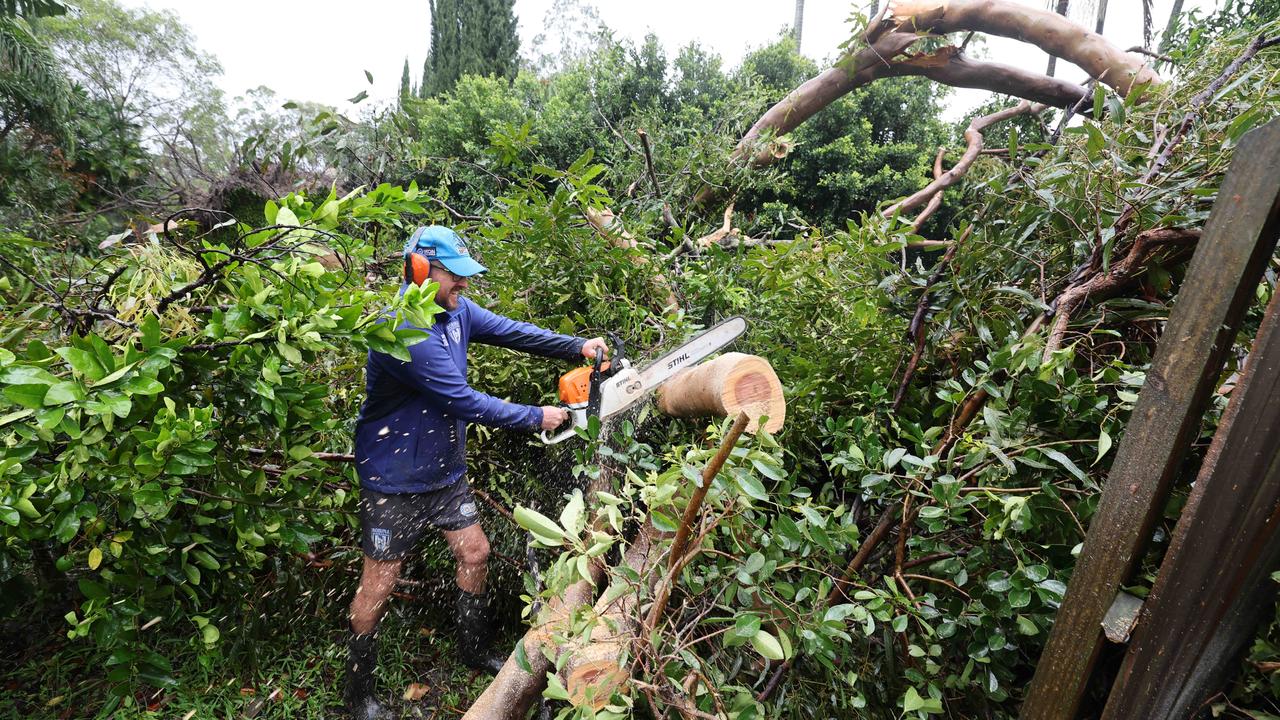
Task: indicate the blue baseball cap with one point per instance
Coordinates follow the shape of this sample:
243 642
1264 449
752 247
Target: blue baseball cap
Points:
436 242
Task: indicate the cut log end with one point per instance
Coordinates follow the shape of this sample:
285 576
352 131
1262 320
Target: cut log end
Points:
594 672
725 386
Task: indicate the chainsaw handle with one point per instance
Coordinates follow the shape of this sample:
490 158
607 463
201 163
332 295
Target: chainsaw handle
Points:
577 418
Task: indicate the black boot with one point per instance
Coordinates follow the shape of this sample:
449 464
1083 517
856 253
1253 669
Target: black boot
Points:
362 656
475 634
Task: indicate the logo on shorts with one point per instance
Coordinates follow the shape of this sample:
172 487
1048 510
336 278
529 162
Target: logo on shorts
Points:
381 539
467 509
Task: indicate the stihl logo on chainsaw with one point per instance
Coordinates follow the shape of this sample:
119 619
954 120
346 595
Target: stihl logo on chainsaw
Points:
678 361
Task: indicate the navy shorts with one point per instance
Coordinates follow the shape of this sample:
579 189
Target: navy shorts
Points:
391 525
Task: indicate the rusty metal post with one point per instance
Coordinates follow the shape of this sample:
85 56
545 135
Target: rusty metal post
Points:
1238 239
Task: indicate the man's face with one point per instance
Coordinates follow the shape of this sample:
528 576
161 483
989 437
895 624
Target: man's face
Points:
451 286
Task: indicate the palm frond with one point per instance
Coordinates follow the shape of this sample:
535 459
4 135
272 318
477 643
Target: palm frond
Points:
31 76
1147 11
31 8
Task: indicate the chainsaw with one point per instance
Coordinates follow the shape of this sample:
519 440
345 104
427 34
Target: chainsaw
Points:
605 389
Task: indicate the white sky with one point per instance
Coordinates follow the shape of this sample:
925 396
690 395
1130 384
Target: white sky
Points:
318 50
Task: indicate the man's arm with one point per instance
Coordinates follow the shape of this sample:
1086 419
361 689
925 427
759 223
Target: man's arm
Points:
434 374
493 329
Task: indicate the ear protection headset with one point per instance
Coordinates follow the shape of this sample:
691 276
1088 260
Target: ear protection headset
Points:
416 267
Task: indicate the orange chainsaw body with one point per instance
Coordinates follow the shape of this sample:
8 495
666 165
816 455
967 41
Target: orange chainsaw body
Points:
575 385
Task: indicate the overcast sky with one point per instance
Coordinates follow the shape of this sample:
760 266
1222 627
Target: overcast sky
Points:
319 50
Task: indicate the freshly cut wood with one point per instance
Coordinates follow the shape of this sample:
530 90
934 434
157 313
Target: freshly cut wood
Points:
725 386
596 665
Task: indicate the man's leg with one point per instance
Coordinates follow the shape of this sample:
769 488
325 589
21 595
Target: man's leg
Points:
389 528
377 580
470 547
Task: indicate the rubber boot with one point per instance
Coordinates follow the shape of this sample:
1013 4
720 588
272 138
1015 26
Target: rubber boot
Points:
362 657
475 634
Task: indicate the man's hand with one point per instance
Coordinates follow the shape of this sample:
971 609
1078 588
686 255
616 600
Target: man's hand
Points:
589 348
553 417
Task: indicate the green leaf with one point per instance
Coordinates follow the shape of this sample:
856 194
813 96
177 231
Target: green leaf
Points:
289 352
113 376
555 689
150 328
1065 462
892 457
573 516
25 507
95 558
750 485
64 392
767 645
543 527
143 386
522 658
31 396
1026 627
83 362
1104 444
746 626
912 701
66 526
9 516
26 375
15 415
769 470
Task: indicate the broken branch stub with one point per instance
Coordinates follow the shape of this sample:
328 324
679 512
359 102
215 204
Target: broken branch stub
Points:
725 386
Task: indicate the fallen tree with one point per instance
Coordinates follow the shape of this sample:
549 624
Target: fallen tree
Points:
883 52
593 663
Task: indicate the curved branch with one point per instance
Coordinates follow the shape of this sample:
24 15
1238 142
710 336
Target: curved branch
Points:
1049 31
972 135
949 66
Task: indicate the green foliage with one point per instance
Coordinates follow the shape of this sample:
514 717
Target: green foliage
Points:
167 456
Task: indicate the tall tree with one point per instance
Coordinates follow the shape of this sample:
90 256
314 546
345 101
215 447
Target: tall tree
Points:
477 37
1061 7
1172 25
406 89
1102 19
798 28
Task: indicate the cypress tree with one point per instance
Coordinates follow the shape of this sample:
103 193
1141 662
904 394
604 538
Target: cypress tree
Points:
470 37
405 90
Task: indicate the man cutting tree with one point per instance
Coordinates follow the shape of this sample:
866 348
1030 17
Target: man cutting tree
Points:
410 449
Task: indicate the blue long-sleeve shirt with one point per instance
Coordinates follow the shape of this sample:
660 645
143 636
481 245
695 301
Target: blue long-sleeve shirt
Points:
411 434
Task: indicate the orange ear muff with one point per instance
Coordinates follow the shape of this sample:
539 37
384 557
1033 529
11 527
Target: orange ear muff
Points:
416 269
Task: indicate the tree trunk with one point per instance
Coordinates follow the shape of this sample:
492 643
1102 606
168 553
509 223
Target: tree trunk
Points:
1102 17
1061 9
798 29
1170 26
723 387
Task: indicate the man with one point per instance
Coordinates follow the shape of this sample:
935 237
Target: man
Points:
411 457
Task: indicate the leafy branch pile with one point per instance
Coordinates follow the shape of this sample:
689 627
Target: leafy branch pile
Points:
172 398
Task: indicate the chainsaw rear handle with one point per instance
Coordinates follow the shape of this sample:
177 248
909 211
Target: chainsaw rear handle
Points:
577 418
